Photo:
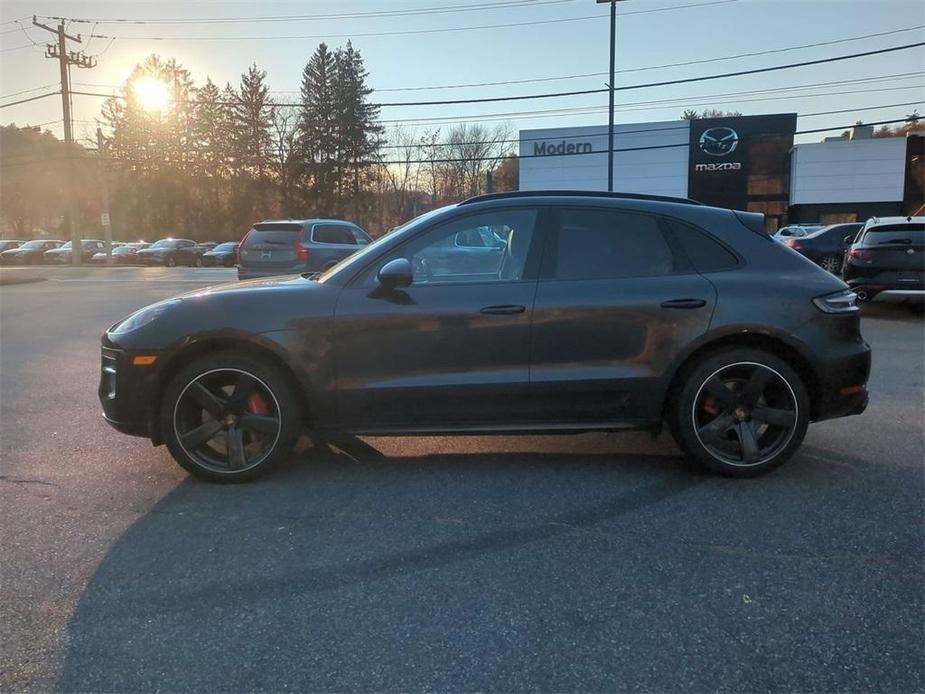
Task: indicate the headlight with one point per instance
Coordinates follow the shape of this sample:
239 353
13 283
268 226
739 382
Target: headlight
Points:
144 316
844 301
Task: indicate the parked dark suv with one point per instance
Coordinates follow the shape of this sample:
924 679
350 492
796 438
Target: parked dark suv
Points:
296 246
888 259
602 312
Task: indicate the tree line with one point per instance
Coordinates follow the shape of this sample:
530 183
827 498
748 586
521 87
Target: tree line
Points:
213 159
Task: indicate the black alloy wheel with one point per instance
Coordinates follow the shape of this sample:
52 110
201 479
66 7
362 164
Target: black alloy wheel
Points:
742 412
229 417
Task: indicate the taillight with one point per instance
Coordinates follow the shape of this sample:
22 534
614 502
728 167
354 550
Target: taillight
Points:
793 243
856 254
301 252
237 249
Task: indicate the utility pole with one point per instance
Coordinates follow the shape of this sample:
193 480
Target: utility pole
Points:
66 58
613 61
104 208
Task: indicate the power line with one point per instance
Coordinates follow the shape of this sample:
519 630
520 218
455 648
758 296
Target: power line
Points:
582 92
31 98
409 32
653 67
447 120
305 17
26 91
738 56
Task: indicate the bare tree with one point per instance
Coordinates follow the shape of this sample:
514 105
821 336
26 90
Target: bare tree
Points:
284 153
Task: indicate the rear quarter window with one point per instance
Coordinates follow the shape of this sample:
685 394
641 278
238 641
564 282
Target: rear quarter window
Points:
333 233
705 253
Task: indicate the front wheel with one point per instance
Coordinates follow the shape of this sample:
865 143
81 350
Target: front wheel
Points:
198 262
740 412
229 417
170 262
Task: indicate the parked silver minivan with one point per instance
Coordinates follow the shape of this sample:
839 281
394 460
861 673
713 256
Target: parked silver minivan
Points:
281 247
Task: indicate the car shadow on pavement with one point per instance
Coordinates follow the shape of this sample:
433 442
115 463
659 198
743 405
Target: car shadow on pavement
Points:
344 567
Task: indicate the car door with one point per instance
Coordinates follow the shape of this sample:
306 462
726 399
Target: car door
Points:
451 350
616 302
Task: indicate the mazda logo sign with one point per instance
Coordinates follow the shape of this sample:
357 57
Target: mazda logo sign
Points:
718 142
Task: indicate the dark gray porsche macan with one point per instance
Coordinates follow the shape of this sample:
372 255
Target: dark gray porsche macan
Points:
519 312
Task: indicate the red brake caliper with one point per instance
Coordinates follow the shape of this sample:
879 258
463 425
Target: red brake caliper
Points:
710 407
256 404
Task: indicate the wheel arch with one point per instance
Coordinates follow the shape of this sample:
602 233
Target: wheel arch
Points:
191 350
768 342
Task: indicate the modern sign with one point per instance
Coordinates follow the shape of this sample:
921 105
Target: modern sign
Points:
541 149
740 159
104 219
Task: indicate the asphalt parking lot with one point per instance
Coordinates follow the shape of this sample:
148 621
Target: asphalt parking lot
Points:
584 563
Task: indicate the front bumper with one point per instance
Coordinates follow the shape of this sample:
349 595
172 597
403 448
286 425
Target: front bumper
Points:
125 391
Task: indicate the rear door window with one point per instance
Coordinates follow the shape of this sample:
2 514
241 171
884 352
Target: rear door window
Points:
281 234
597 244
333 233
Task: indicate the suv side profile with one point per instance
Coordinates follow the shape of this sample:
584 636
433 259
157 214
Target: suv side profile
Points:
281 247
598 312
887 259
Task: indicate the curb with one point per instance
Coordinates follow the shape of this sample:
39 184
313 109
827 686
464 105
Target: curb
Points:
7 281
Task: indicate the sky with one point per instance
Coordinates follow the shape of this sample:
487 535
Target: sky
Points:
524 40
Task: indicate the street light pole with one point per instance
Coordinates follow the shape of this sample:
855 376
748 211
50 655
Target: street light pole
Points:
613 61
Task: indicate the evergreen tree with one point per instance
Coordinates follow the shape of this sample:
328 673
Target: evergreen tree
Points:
252 115
357 125
212 142
317 130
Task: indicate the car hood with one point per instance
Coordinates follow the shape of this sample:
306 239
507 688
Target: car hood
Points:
239 309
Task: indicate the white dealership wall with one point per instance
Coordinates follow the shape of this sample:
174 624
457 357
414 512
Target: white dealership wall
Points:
848 171
658 170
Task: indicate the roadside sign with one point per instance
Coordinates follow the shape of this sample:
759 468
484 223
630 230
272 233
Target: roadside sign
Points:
104 219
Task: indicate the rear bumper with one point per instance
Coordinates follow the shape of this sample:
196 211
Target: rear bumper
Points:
840 360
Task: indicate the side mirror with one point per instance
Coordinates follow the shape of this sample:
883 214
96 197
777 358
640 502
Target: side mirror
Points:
395 274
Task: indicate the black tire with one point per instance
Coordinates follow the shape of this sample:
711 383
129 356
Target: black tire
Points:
198 262
187 415
718 409
170 261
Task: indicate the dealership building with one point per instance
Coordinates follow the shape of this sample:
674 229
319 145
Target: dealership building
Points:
742 162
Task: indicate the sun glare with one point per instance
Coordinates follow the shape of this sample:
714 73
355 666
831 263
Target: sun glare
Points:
152 93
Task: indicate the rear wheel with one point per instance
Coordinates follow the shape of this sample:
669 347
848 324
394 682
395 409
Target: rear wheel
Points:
831 263
740 412
229 417
198 262
170 261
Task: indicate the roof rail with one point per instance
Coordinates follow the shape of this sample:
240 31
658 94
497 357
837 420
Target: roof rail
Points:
578 193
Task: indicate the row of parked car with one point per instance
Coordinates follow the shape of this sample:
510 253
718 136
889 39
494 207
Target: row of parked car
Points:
169 252
883 256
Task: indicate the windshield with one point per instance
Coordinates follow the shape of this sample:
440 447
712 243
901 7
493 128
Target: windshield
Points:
32 244
358 259
164 243
225 246
65 247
